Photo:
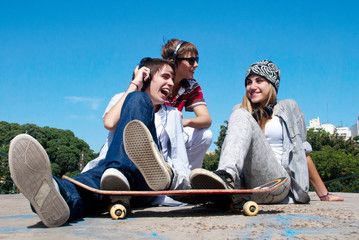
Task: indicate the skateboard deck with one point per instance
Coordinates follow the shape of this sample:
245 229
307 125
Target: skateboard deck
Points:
119 210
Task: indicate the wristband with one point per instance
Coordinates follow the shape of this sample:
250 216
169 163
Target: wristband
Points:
135 85
326 195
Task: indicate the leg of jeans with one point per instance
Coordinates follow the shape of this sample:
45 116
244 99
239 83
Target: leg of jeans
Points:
197 143
247 155
81 201
137 106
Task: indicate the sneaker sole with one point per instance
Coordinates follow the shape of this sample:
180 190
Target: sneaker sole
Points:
30 170
143 152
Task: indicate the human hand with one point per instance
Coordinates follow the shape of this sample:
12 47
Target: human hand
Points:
185 122
140 76
332 197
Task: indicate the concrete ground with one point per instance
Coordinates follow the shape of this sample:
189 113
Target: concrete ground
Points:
317 220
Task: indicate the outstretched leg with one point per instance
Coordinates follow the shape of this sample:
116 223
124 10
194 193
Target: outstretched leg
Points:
31 172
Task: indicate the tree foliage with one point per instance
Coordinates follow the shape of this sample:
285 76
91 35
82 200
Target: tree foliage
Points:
211 160
62 146
335 158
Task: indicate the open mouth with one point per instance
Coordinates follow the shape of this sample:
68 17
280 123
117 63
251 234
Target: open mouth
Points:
165 92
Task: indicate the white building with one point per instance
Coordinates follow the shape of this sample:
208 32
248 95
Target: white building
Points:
314 123
344 132
330 128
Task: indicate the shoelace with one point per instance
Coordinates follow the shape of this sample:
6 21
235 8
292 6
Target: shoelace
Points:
227 178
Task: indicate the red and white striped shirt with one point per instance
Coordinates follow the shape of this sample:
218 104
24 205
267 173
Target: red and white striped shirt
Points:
189 96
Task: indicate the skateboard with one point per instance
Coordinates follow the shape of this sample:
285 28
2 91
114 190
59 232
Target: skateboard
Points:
120 199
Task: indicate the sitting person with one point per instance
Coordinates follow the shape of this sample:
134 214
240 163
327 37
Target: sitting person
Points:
265 140
187 94
133 158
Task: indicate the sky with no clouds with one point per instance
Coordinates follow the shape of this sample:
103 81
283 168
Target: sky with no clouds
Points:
62 61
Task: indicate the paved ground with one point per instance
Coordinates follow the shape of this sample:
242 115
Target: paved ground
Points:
317 220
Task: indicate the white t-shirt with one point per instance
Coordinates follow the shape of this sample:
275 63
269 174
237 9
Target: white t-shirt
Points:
274 135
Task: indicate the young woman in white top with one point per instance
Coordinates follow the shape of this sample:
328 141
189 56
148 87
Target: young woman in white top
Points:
266 140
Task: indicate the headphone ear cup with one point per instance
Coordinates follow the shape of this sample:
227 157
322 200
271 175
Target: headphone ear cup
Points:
147 82
268 110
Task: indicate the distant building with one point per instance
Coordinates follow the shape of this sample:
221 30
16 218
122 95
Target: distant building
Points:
315 123
354 129
344 132
330 128
82 161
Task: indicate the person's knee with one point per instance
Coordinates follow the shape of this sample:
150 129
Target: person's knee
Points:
198 137
138 97
207 137
137 102
202 137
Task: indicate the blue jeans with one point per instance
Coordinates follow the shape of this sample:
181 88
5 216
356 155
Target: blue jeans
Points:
138 106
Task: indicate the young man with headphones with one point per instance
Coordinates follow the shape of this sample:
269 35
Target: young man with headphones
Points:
187 94
135 160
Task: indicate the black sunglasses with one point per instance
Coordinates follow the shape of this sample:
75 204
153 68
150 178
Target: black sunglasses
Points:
190 60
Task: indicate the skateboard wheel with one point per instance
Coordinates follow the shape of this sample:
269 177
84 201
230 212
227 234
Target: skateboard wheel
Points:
118 211
250 208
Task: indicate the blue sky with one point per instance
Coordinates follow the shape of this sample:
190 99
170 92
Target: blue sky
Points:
62 61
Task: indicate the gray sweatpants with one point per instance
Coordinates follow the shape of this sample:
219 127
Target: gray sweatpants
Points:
248 157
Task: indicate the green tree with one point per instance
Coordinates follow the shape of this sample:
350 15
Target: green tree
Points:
211 160
62 146
335 158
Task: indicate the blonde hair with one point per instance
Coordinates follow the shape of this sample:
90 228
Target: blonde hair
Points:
250 107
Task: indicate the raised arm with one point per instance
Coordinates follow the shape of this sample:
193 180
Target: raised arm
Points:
112 117
318 185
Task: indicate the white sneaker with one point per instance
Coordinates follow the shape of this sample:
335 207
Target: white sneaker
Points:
30 170
113 179
144 153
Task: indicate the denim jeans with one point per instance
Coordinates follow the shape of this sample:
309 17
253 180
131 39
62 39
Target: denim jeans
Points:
248 157
138 106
